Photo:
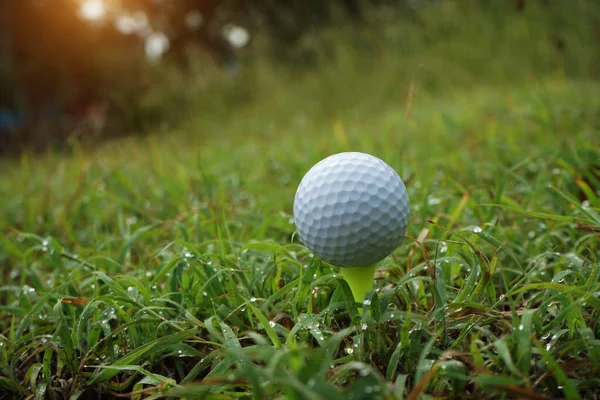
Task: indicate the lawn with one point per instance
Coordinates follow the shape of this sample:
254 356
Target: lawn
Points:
168 266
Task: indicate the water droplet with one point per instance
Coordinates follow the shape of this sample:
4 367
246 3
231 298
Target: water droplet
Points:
28 290
432 201
363 327
443 247
230 377
272 323
367 302
531 234
521 327
252 299
204 294
477 229
585 204
148 274
188 255
45 243
349 350
392 315
556 171
364 372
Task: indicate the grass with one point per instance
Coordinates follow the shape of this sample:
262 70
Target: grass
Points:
167 266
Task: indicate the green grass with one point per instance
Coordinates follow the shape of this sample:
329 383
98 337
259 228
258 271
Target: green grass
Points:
161 267
167 266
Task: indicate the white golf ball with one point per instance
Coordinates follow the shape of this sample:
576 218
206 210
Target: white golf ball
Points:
351 209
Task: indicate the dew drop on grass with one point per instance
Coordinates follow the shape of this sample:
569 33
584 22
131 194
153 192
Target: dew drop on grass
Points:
477 229
432 201
363 326
531 234
188 255
521 327
28 291
349 350
148 274
443 247
252 299
364 372
272 323
585 204
230 377
367 302
392 315
204 294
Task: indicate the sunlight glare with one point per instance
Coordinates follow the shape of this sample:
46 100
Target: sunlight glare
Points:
135 23
236 35
155 45
92 10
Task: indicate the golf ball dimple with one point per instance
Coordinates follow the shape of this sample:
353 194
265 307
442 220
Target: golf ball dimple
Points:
351 209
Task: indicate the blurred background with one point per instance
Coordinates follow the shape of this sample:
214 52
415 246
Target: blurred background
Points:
88 70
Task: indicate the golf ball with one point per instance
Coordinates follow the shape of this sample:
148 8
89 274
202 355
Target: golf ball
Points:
351 209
